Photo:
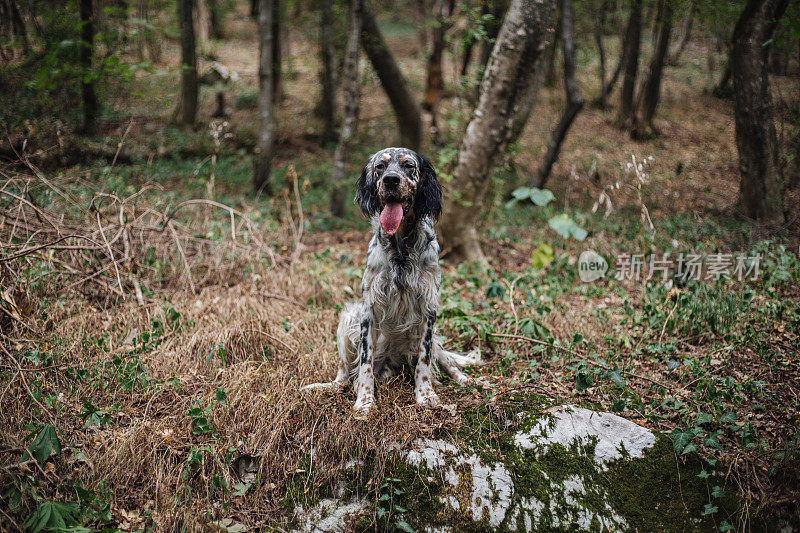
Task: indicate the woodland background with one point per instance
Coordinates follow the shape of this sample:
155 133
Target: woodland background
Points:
178 236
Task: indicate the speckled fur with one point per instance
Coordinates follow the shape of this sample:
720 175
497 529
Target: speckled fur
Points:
392 327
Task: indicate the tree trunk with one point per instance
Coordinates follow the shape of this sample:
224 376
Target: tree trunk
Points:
723 88
599 29
90 104
615 76
420 20
394 84
263 157
214 19
684 36
574 99
510 68
631 45
497 9
18 25
277 44
202 24
350 122
434 83
549 78
642 118
762 183
466 58
327 104
188 100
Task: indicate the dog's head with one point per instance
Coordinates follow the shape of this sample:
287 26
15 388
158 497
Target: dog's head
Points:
399 183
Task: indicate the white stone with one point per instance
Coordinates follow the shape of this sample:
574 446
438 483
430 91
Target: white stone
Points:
329 515
569 424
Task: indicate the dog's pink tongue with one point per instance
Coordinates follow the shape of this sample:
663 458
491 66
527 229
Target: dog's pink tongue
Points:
391 216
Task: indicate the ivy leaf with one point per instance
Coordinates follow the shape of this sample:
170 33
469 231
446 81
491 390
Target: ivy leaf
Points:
402 525
566 227
717 492
710 509
689 448
725 526
703 474
44 444
542 256
583 380
541 197
703 418
681 438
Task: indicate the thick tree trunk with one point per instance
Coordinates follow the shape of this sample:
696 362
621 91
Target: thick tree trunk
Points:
201 16
762 183
214 19
510 68
574 99
187 113
394 84
642 118
631 45
18 25
263 157
327 104
683 37
90 104
350 122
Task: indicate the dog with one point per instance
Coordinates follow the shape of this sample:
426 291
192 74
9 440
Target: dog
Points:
392 328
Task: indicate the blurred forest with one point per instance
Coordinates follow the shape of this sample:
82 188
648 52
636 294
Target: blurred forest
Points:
178 235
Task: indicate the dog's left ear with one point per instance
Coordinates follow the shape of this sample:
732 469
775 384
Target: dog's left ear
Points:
428 200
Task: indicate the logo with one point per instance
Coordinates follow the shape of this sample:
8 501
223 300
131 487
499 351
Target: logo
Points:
591 266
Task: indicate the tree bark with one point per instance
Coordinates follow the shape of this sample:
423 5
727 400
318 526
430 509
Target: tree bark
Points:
574 99
762 184
350 122
277 45
18 25
394 84
519 45
263 157
631 45
327 104
434 83
599 29
202 24
642 117
188 101
683 37
214 20
497 9
90 104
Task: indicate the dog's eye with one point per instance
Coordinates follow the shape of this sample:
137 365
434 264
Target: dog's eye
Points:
380 166
408 164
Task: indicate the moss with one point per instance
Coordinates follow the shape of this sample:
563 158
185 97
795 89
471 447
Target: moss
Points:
663 492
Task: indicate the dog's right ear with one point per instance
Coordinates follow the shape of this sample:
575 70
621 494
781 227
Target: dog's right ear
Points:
367 191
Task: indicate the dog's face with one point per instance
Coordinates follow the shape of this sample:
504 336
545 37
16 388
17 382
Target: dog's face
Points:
399 184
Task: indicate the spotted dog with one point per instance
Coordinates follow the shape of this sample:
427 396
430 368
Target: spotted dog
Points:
392 328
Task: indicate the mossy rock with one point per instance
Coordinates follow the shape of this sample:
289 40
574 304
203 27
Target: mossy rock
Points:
561 469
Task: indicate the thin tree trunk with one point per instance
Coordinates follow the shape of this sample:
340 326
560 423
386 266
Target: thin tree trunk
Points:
18 24
642 118
684 36
510 68
263 157
549 78
201 23
615 76
599 29
762 184
421 20
327 105
466 58
277 45
188 101
631 45
394 84
497 9
214 19
350 122
90 104
574 99
434 83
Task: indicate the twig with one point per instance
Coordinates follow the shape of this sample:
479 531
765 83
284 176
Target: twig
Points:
183 256
111 254
29 251
283 298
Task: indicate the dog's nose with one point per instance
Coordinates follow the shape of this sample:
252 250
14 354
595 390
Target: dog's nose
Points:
391 181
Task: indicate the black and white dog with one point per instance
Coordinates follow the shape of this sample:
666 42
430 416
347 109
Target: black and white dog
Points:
392 328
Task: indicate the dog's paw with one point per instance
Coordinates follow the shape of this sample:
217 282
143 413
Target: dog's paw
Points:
428 399
362 408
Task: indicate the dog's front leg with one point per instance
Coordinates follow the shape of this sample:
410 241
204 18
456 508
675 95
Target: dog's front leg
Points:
423 376
365 385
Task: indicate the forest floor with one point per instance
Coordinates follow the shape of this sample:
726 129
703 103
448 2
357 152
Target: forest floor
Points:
158 357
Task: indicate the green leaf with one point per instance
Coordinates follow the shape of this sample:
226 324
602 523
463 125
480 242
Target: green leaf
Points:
710 509
689 448
583 380
542 256
566 227
541 197
703 474
703 418
521 193
717 492
681 438
725 526
44 444
402 525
